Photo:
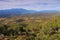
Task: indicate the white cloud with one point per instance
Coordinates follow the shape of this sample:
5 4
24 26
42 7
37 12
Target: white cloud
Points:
30 4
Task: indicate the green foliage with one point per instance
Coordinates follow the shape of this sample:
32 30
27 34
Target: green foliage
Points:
31 28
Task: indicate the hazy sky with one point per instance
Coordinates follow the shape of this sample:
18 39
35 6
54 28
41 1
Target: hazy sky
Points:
31 4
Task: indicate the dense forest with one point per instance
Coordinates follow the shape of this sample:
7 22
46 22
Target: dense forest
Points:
30 27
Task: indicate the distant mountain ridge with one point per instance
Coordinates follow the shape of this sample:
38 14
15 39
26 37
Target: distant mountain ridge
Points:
20 11
14 12
51 11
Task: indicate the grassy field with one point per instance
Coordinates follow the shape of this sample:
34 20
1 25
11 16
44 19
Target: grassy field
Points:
30 27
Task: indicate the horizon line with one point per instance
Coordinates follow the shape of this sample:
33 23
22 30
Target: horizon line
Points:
28 9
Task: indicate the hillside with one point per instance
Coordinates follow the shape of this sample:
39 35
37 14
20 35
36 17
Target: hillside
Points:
36 26
22 24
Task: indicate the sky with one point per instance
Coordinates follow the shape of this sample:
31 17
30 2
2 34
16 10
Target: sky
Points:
30 4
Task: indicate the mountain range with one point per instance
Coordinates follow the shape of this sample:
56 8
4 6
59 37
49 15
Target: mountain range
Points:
14 12
20 11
